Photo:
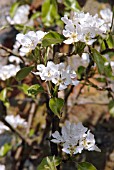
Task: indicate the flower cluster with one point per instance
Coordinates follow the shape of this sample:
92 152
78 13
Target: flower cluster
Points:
8 71
2 167
16 121
107 15
57 73
84 27
74 138
21 16
28 41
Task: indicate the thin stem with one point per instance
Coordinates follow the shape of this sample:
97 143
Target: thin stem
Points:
11 52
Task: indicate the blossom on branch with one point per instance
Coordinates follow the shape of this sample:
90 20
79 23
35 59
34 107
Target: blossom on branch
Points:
8 71
29 41
74 138
57 73
20 16
84 27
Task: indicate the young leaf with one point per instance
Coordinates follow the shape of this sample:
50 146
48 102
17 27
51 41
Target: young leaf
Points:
86 166
21 74
52 38
35 15
49 163
5 149
35 89
56 105
72 4
111 107
49 12
14 8
102 63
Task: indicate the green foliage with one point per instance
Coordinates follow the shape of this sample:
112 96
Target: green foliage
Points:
23 28
35 89
110 41
3 96
52 38
86 166
14 8
102 63
72 5
35 15
80 71
56 105
23 87
49 163
21 74
49 12
111 107
5 149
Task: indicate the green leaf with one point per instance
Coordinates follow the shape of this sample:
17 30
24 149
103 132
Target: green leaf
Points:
23 28
72 4
49 163
21 74
35 89
80 71
56 105
49 12
110 41
14 8
3 97
111 107
86 166
102 63
52 38
5 149
35 15
24 88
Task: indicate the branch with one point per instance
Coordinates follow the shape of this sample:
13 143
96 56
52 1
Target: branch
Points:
11 52
107 50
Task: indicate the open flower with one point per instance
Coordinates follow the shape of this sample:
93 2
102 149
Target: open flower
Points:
8 71
20 16
16 121
74 139
29 41
57 73
84 27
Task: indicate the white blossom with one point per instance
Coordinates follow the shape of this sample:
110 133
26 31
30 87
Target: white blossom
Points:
15 59
83 27
16 121
74 138
57 73
2 167
107 15
3 128
29 41
20 16
8 71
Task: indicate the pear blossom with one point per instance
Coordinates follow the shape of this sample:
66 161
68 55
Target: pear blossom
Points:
2 167
29 41
107 15
15 59
16 121
20 16
57 73
83 27
74 138
85 57
8 71
3 128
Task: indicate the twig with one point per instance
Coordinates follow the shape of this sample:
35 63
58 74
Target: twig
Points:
107 50
11 52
